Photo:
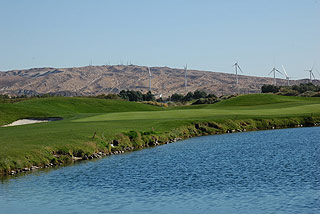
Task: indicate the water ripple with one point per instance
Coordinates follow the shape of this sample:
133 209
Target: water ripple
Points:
269 171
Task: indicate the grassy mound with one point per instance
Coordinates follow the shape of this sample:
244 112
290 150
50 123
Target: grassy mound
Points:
264 100
65 107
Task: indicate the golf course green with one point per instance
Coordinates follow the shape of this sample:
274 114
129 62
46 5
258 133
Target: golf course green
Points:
92 125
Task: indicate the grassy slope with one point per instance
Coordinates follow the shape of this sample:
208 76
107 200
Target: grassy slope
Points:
84 116
65 107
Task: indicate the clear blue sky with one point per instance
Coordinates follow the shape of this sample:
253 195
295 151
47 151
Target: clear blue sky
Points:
208 35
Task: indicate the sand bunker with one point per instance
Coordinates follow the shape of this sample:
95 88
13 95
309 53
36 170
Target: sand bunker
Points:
30 121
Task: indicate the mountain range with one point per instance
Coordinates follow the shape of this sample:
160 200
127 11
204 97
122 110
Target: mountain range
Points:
95 80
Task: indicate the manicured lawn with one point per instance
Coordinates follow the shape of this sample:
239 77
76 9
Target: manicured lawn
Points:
85 116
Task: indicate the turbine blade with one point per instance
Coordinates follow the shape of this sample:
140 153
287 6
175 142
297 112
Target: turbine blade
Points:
313 76
149 71
284 70
313 66
240 69
271 71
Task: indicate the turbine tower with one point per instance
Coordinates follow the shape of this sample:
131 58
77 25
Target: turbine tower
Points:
236 67
185 77
286 74
150 76
311 73
274 70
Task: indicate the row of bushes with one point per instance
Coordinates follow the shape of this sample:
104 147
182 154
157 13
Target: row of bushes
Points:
149 98
190 96
306 90
212 100
201 97
155 103
136 95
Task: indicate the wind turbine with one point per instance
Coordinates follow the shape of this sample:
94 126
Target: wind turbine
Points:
274 70
236 67
286 74
311 73
150 76
185 77
318 72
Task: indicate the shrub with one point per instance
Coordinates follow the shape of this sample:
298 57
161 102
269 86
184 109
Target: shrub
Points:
269 89
316 95
112 97
308 94
132 135
154 103
176 97
199 94
136 95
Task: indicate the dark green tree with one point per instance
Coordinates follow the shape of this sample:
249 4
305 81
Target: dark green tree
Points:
270 89
176 97
149 96
188 97
199 94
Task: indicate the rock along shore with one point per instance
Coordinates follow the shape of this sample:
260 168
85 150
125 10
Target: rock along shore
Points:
197 129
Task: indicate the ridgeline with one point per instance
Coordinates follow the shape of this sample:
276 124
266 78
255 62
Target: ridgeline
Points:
106 79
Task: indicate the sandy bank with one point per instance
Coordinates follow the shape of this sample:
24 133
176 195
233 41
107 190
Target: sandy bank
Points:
30 121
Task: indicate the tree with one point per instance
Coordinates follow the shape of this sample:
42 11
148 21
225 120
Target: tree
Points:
176 97
135 96
124 95
188 97
149 97
270 89
211 96
199 94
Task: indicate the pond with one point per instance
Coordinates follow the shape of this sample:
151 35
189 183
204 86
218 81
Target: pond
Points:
275 171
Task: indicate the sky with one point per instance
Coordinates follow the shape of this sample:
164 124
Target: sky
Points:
205 34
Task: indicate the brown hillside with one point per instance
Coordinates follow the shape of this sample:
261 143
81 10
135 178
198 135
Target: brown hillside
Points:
94 80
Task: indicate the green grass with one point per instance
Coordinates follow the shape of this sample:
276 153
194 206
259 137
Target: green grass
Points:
65 107
26 145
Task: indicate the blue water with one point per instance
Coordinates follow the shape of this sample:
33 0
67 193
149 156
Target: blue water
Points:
274 171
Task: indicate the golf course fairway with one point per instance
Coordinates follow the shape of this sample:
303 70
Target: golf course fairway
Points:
91 126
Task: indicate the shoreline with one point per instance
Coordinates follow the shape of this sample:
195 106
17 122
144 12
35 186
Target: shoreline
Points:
133 141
